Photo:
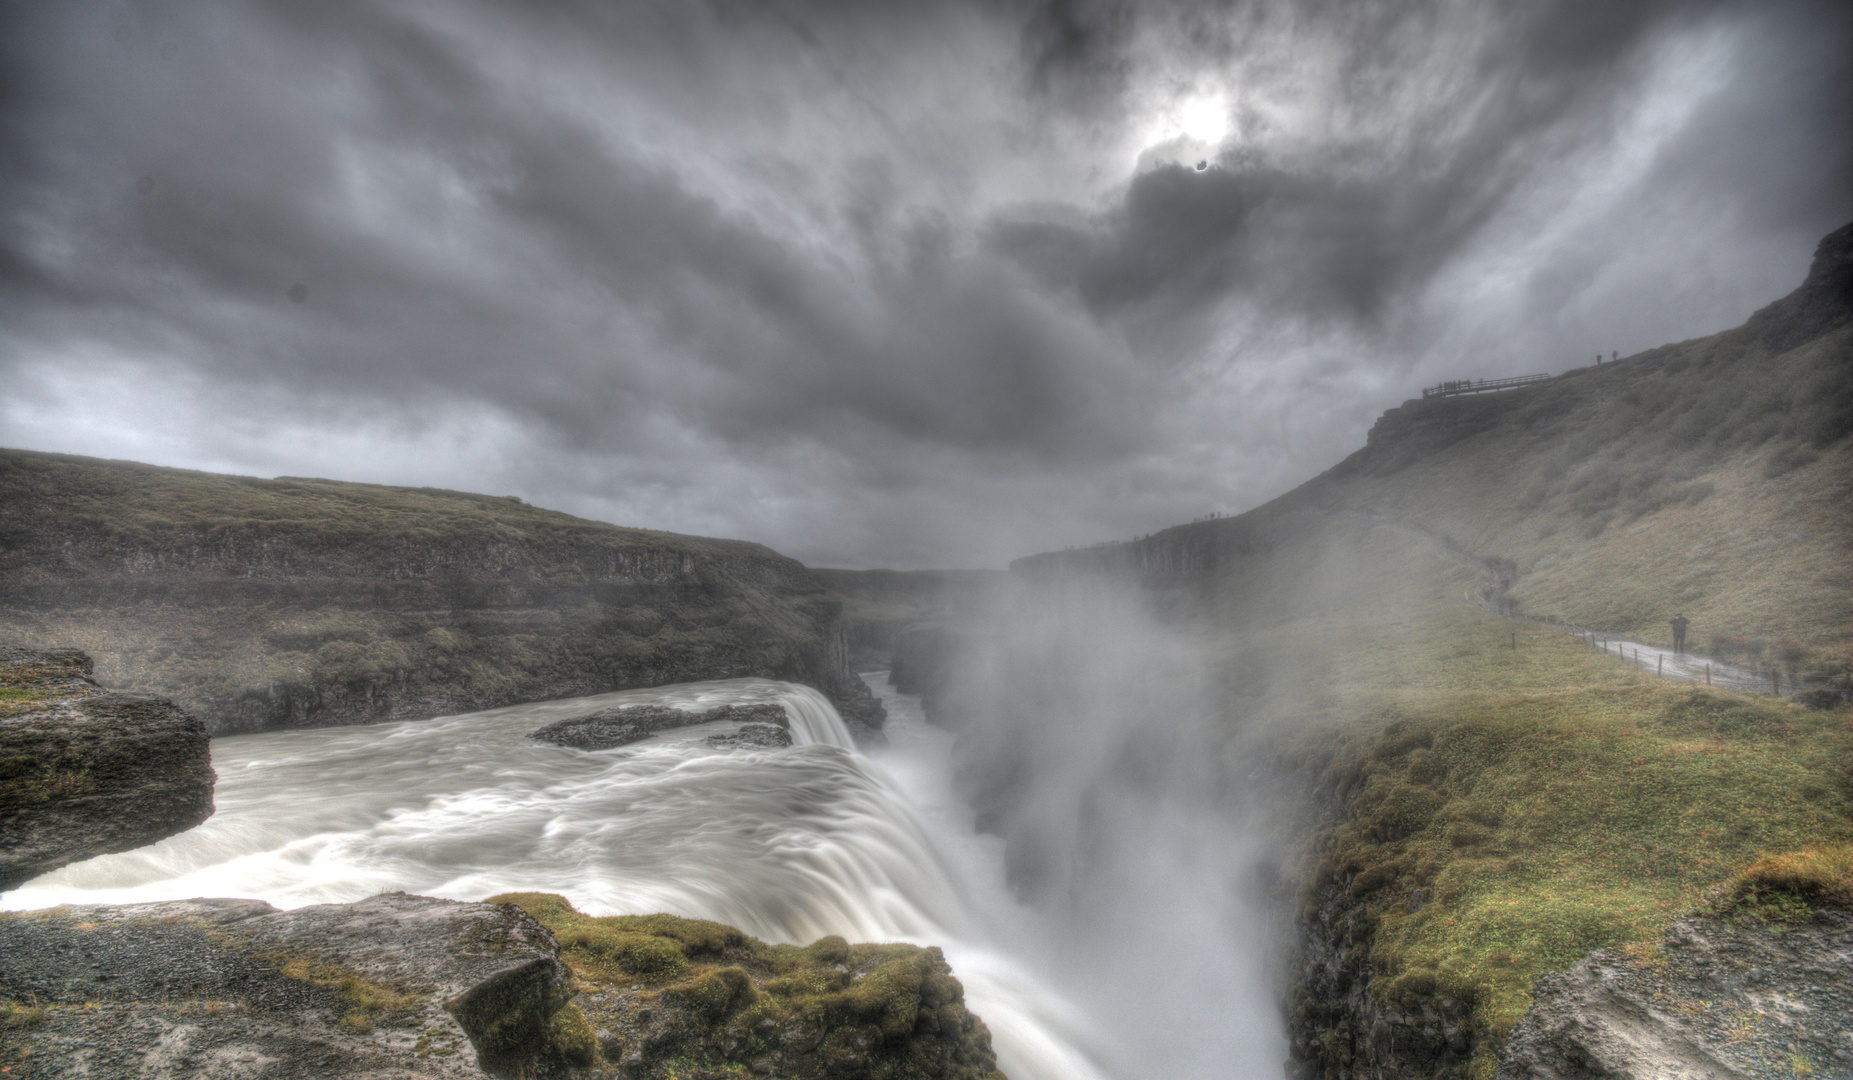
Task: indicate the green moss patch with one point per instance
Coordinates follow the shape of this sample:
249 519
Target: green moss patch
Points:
1788 887
700 999
368 1002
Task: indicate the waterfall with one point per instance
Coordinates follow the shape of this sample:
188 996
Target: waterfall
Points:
787 844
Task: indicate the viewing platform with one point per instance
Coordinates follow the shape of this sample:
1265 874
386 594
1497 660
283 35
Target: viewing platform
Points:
1481 386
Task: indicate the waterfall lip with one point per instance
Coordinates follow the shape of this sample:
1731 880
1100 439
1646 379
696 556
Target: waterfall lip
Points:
789 844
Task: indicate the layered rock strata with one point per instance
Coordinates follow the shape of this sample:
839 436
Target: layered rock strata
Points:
87 772
296 603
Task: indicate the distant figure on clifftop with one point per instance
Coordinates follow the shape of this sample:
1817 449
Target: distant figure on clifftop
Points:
1679 633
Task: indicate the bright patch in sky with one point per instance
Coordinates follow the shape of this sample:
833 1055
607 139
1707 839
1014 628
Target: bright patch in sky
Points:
1204 117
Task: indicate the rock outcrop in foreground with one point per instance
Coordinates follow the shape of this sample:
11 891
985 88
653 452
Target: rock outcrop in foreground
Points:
395 985
1718 999
410 986
85 772
683 999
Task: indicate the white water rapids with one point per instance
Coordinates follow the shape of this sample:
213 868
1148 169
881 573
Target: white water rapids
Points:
787 844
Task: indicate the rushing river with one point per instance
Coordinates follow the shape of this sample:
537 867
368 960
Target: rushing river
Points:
1145 957
788 844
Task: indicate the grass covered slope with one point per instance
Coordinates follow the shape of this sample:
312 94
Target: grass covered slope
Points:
1512 810
1712 477
259 603
666 998
1487 799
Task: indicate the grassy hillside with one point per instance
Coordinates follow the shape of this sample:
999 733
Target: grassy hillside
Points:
1509 810
1712 477
283 602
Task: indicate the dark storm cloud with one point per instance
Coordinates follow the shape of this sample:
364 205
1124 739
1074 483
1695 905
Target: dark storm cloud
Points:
1364 224
874 283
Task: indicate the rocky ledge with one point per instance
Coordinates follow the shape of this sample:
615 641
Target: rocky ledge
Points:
87 772
396 985
410 986
753 726
1720 998
684 999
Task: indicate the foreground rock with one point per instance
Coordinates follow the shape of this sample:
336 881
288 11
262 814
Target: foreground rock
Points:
85 772
764 725
395 985
683 999
1718 1000
409 986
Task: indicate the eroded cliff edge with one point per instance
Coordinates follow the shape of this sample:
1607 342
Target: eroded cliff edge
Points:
86 772
291 603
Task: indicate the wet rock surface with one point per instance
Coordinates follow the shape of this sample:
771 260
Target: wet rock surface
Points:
1340 1029
395 985
611 728
1719 998
753 737
86 772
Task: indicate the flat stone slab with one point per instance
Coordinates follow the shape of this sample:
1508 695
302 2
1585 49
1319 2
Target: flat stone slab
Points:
395 985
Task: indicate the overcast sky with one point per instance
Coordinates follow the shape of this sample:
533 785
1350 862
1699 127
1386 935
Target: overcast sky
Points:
877 284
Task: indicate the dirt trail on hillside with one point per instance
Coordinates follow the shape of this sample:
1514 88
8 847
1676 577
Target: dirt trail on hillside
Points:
1685 667
1667 664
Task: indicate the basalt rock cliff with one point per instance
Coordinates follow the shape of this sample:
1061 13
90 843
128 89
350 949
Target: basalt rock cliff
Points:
291 603
86 772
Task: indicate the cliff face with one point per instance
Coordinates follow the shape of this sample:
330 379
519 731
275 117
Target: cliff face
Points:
882 606
84 772
286 603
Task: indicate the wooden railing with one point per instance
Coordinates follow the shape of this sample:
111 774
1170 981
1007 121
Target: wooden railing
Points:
1481 386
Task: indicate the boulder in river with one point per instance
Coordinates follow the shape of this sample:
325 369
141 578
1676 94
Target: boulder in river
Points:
611 728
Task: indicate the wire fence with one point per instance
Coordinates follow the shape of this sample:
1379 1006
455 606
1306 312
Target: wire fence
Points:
1678 665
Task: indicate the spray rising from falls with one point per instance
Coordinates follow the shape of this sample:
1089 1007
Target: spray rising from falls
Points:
788 844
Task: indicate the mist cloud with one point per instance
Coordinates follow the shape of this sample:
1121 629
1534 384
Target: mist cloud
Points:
874 284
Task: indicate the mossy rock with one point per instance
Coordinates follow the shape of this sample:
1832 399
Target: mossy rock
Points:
690 998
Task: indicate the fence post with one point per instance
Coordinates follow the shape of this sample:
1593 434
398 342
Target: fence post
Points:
1707 674
1660 666
1515 641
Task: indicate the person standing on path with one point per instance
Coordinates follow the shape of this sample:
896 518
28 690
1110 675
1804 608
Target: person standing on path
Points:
1679 632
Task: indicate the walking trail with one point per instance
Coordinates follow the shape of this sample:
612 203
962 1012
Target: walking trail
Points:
1683 667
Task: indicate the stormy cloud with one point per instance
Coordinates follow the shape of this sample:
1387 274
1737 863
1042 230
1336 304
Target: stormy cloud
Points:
923 284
